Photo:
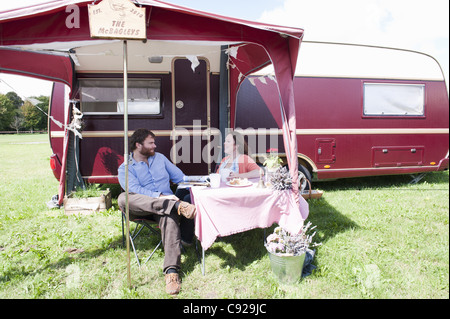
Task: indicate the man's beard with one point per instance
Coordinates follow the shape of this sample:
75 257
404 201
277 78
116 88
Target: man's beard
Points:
147 151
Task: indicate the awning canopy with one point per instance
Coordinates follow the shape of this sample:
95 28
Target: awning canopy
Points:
12 61
37 41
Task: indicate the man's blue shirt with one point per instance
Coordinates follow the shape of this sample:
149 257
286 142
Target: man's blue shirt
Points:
152 179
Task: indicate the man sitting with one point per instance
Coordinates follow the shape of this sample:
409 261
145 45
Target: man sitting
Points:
150 196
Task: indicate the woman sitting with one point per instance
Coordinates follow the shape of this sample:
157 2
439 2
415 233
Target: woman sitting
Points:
237 163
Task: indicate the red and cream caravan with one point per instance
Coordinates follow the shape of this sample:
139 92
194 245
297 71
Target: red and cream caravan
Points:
361 111
182 81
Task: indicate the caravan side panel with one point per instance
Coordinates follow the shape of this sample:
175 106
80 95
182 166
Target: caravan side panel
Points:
355 126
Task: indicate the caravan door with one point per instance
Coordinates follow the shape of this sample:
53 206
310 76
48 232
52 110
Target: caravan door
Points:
191 116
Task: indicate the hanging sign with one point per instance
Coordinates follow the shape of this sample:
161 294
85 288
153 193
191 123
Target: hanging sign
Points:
117 19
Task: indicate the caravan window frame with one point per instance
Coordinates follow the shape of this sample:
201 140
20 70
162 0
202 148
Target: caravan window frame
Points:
159 86
371 111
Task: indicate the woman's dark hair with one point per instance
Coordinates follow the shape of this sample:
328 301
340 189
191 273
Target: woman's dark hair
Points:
240 142
139 136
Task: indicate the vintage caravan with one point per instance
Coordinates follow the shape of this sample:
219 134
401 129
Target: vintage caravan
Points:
360 110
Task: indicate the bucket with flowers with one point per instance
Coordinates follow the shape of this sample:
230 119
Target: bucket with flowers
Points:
287 252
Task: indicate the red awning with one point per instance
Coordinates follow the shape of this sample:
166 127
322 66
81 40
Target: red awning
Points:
46 23
36 64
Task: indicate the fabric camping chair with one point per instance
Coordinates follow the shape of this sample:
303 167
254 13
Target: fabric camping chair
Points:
140 225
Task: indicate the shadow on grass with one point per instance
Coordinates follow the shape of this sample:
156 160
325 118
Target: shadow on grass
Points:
236 251
328 219
240 250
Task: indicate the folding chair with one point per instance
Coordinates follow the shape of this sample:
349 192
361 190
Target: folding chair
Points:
140 225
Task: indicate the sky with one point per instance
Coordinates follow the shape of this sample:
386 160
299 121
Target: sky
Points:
407 24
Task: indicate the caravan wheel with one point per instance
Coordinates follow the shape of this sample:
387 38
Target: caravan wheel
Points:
303 176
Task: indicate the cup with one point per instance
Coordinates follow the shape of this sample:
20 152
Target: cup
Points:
214 180
225 173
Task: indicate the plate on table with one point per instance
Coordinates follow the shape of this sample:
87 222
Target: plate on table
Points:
239 183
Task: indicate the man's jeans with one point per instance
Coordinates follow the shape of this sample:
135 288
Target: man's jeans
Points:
163 212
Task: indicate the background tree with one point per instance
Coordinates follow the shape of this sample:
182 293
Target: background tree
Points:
17 122
34 111
43 105
7 112
31 115
17 119
15 99
16 114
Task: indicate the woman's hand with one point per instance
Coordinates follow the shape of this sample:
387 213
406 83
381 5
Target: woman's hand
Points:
251 174
233 175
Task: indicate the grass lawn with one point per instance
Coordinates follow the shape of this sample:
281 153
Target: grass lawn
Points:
381 237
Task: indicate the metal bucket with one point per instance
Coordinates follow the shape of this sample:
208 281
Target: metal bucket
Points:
288 269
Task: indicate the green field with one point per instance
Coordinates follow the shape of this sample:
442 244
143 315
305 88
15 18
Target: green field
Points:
382 238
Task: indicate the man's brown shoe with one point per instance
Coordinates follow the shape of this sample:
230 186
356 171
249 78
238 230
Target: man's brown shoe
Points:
173 283
187 210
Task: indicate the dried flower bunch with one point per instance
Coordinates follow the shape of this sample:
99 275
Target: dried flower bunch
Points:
281 179
282 243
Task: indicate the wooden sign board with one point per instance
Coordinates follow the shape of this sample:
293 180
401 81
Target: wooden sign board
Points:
117 19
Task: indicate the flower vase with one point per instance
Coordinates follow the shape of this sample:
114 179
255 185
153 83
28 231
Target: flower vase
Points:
288 269
269 172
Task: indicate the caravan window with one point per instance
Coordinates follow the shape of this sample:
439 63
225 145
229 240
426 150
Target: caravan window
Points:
390 99
101 96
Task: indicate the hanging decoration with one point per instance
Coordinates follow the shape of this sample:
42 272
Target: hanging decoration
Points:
194 61
232 53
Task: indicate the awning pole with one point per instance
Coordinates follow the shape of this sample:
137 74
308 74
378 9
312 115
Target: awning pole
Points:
125 149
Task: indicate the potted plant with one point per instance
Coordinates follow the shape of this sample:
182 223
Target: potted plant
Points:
87 200
287 252
272 163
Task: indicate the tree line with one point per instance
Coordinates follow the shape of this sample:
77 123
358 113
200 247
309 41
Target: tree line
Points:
17 115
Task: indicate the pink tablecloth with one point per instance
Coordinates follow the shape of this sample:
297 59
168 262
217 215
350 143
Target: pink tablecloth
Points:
229 210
